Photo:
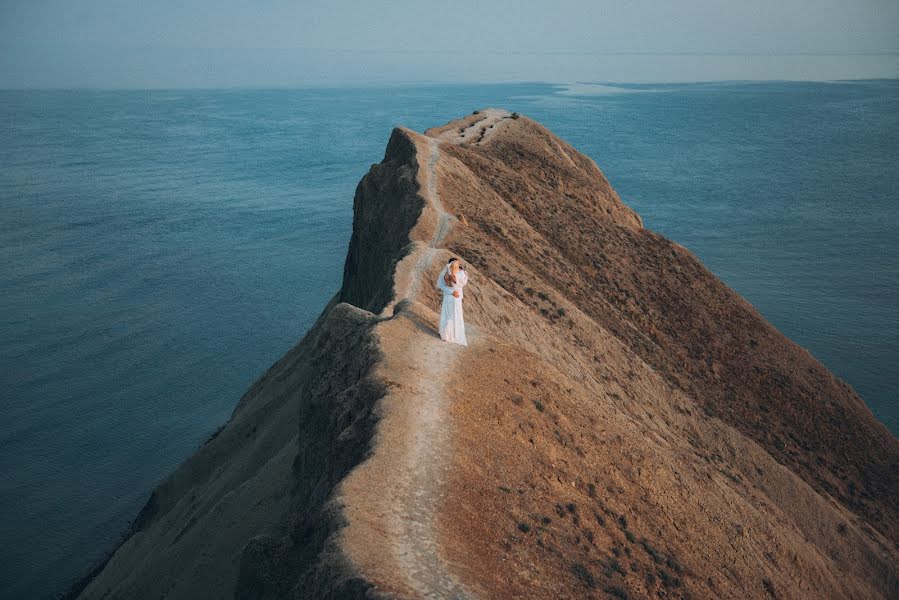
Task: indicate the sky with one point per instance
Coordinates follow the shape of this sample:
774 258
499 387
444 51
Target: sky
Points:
201 43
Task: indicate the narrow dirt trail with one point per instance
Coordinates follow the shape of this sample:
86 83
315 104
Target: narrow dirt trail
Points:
479 130
413 531
444 224
429 429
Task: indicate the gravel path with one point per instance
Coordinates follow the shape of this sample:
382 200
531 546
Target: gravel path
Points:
418 492
479 130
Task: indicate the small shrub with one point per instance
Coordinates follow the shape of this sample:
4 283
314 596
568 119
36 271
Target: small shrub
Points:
524 527
583 574
651 551
674 565
616 592
514 115
539 405
668 580
616 566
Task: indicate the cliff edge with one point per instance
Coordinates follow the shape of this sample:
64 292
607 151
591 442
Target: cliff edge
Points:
622 424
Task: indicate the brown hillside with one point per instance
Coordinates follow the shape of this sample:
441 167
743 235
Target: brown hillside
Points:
622 423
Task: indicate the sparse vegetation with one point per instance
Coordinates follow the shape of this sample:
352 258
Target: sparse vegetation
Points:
614 565
651 551
616 591
584 575
674 565
524 527
539 405
668 580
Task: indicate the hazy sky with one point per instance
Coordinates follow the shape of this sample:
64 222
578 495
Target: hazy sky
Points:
200 43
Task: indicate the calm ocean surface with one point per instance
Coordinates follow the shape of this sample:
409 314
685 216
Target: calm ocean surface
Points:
161 249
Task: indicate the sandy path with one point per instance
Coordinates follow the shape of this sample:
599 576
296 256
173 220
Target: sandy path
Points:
428 429
444 223
413 531
479 131
434 194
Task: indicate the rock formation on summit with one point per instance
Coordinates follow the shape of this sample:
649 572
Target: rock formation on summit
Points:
622 424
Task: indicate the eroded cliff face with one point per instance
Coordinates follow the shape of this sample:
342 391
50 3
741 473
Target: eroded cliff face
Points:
621 424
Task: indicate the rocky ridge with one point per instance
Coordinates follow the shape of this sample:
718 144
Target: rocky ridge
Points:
622 424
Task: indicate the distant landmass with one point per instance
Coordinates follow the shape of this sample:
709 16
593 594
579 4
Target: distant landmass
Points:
622 423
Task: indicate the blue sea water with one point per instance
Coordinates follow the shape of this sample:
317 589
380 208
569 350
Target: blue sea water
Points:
160 249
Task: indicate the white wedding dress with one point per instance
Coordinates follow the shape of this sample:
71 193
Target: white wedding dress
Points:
452 323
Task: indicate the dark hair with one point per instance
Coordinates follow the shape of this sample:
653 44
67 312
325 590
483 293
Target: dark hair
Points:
456 258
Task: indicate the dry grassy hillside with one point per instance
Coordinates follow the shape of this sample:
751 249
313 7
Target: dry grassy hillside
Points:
622 424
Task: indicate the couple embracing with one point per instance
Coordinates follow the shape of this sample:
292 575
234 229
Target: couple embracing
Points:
451 281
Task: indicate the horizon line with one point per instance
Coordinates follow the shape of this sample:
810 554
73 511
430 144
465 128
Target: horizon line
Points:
385 84
697 52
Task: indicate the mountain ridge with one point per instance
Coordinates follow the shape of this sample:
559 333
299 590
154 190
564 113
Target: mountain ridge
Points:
667 439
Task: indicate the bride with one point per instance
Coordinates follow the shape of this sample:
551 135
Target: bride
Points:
450 281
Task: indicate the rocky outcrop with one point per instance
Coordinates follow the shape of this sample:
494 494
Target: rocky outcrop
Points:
622 423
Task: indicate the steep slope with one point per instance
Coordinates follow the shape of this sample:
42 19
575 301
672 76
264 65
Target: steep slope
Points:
622 423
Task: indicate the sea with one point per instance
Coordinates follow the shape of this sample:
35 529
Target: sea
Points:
159 249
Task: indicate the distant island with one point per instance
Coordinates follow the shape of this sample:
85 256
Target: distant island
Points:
622 423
